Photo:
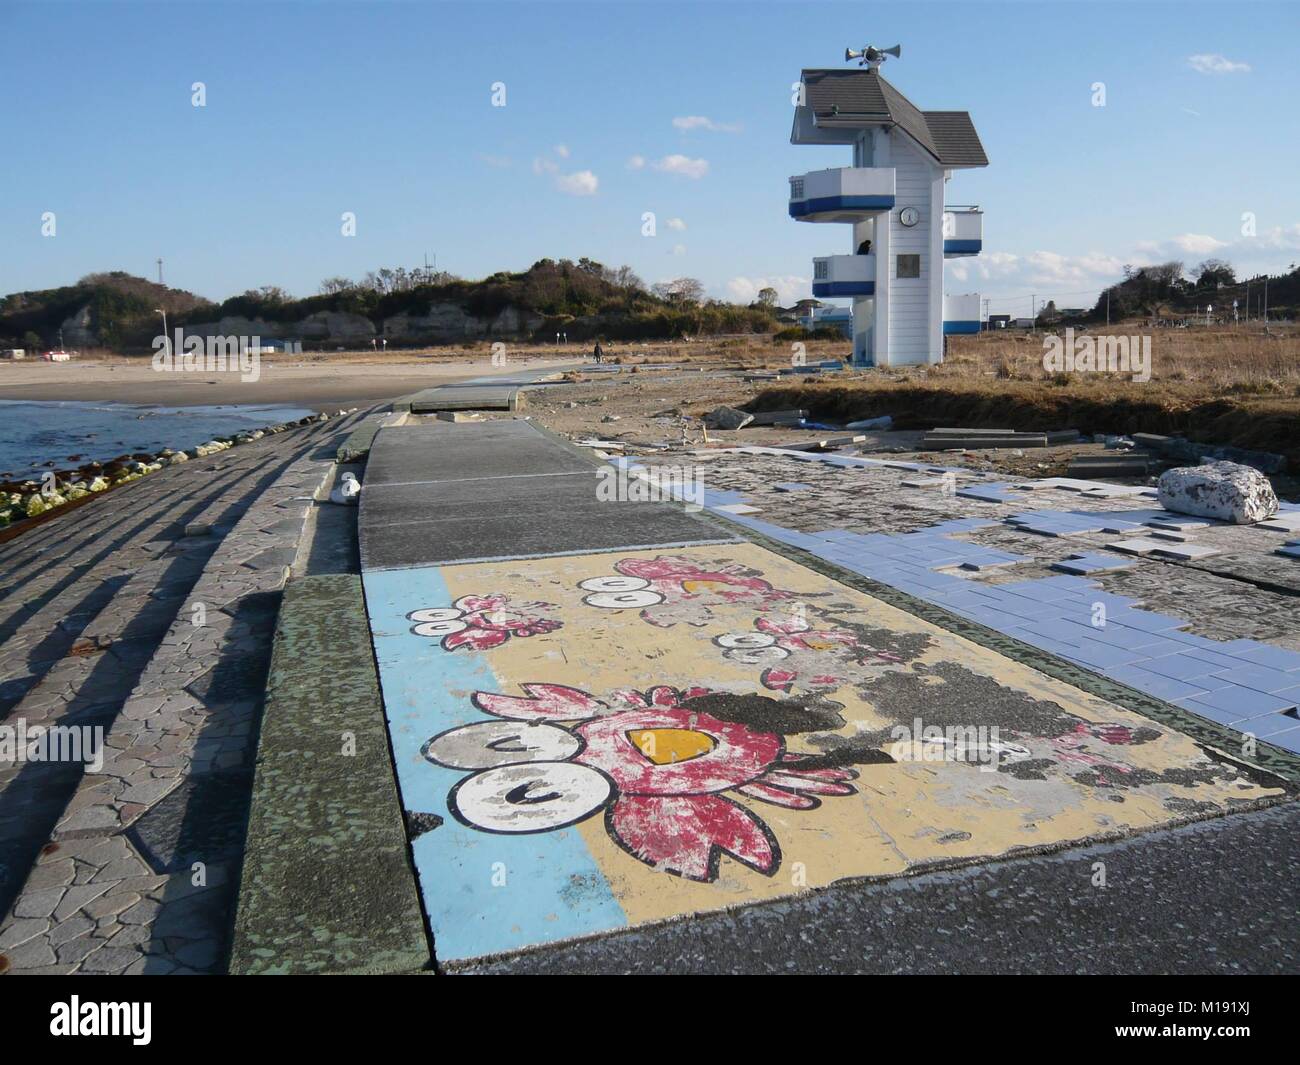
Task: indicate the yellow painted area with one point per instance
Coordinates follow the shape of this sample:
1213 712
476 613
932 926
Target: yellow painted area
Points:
901 815
666 745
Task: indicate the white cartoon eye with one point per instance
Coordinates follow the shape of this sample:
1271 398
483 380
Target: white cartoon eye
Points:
441 613
758 655
623 600
529 798
439 628
746 640
613 584
492 743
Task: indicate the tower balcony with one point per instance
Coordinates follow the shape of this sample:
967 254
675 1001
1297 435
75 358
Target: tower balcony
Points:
844 275
845 194
963 231
961 313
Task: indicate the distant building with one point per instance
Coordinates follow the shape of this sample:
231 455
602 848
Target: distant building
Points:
13 353
998 321
824 316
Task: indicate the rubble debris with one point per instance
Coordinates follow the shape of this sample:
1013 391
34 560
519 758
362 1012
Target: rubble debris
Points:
1114 464
946 439
779 417
885 421
1181 450
727 418
829 443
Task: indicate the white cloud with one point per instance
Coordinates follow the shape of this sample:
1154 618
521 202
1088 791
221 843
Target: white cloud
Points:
562 150
679 249
636 162
789 288
1213 63
690 122
675 223
545 166
579 183
1198 243
683 165
1008 279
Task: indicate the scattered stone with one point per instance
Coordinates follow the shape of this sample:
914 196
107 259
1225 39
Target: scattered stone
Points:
727 418
1228 491
347 491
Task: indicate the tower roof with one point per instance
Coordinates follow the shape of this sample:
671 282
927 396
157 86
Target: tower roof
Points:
854 99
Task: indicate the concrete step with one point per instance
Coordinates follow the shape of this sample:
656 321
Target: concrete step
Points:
338 893
137 873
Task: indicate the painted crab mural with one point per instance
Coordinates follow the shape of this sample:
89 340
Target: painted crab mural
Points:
482 621
792 650
657 767
671 588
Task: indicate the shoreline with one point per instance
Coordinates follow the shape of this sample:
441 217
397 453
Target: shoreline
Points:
320 387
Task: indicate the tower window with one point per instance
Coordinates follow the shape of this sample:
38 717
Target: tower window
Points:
909 266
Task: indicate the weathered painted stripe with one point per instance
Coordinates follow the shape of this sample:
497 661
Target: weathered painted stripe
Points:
483 893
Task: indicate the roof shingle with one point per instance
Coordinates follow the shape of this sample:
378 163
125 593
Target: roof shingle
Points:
850 98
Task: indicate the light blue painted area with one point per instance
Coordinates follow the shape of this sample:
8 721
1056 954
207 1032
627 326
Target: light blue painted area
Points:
553 888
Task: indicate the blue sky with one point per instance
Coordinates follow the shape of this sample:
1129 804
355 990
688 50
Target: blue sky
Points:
385 110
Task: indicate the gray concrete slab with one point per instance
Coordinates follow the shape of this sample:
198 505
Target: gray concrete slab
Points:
1217 896
456 492
445 451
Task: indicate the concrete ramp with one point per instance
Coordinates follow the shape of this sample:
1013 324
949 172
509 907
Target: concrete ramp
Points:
453 492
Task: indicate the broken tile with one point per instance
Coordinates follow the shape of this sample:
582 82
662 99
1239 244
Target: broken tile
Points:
1141 545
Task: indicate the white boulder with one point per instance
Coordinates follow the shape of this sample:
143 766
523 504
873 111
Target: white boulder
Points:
1224 490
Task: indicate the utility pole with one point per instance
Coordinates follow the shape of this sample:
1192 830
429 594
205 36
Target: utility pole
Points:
1108 308
1266 302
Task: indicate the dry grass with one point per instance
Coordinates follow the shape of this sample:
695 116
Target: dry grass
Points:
1217 361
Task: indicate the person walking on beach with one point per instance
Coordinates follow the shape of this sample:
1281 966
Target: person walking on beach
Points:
598 353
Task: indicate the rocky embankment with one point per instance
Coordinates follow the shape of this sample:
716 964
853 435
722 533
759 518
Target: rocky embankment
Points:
22 500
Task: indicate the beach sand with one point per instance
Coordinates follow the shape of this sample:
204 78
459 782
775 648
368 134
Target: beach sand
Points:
320 385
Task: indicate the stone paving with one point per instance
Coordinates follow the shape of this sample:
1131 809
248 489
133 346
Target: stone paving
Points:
167 651
1203 636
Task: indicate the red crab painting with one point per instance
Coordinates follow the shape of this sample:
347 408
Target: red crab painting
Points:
794 651
659 769
482 621
673 588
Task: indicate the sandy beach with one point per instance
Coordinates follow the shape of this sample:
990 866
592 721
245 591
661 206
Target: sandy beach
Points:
319 384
